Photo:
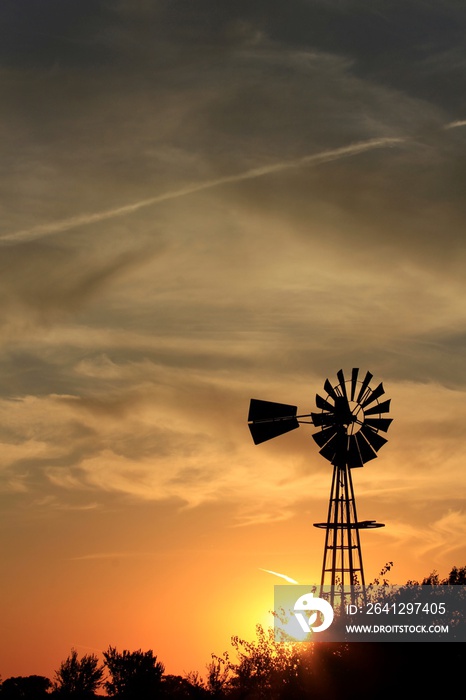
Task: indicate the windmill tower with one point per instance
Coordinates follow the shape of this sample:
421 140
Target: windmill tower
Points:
350 421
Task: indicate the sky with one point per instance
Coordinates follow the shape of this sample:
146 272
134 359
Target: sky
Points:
204 203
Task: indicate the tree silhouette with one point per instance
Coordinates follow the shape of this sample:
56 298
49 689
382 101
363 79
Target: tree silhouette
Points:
190 687
216 682
25 688
456 577
78 678
135 675
218 672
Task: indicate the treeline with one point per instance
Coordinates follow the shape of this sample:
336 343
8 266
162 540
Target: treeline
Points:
263 669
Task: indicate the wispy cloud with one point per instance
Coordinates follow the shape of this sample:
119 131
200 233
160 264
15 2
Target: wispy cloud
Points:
112 555
51 502
85 219
446 535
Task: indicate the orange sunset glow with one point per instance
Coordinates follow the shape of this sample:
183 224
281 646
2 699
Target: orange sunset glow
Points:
205 203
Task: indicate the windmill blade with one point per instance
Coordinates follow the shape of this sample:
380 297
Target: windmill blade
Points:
330 390
383 407
378 391
261 432
341 379
322 403
321 419
364 386
335 447
379 423
270 411
354 380
375 440
323 436
354 458
365 450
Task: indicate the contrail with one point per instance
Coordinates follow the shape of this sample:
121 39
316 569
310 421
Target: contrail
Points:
85 219
455 125
284 576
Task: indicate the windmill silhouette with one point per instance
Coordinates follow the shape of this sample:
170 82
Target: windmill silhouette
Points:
350 421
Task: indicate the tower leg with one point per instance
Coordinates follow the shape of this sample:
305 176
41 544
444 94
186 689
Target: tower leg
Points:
342 562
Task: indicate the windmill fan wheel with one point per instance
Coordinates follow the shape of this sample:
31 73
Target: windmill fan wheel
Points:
351 420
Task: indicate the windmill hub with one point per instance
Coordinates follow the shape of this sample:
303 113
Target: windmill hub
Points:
348 414
357 418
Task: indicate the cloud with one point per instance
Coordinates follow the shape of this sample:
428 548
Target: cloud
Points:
113 556
42 283
52 503
447 534
441 539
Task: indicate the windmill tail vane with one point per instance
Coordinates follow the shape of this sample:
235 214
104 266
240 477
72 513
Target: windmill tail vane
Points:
350 423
